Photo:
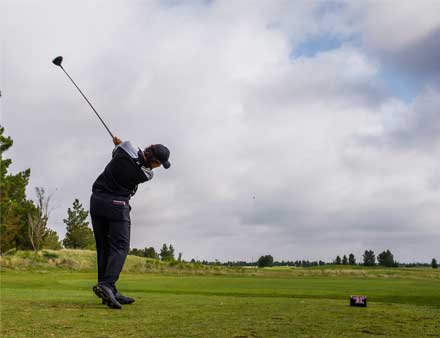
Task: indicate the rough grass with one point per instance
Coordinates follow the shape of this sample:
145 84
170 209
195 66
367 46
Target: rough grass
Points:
59 303
85 260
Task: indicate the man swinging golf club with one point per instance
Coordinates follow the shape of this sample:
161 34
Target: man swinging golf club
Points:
109 205
110 211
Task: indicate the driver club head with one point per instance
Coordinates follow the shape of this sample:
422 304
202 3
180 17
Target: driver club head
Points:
57 61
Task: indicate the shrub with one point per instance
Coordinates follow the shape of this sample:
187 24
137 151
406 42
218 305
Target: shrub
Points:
50 255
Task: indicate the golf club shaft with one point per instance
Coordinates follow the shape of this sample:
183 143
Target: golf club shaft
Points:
99 117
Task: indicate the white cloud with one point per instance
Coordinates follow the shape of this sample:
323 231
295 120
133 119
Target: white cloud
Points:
391 27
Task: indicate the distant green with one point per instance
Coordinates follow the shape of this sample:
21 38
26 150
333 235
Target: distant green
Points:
255 303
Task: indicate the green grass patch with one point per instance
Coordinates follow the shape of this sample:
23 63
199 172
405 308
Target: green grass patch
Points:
61 304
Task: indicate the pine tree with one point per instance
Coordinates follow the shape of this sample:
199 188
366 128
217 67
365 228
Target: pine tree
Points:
167 253
344 260
351 259
171 252
338 260
386 258
151 253
434 263
78 233
51 240
369 258
14 207
164 253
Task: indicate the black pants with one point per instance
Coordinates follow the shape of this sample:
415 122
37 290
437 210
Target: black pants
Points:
111 227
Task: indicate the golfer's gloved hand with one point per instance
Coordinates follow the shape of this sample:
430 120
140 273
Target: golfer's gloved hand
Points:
116 140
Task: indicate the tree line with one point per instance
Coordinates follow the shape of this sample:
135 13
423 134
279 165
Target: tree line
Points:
385 259
268 261
24 226
24 222
166 253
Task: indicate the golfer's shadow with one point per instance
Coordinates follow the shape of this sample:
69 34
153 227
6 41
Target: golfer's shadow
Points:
95 305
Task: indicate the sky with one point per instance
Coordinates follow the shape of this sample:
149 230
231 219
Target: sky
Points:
300 129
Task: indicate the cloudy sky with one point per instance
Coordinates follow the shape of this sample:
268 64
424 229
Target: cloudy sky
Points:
303 129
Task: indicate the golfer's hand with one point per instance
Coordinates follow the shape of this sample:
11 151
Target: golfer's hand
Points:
116 140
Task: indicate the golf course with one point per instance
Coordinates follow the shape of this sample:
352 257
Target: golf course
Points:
220 169
50 295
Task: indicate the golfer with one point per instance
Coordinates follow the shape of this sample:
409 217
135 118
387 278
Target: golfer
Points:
110 211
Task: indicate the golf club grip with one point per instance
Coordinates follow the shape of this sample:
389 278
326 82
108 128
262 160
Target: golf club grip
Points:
85 98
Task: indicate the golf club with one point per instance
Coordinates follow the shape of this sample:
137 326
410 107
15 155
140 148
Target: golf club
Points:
57 61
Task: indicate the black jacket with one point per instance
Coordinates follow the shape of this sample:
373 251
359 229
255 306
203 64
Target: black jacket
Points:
121 176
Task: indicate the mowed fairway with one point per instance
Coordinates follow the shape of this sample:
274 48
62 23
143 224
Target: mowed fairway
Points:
274 304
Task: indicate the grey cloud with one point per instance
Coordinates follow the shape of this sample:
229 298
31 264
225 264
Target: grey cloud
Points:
418 126
407 44
421 57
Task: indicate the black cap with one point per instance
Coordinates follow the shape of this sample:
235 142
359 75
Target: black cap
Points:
161 153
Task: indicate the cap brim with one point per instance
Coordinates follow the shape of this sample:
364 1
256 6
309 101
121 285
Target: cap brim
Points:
166 164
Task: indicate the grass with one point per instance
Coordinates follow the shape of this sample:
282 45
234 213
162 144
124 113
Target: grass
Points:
58 302
85 261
